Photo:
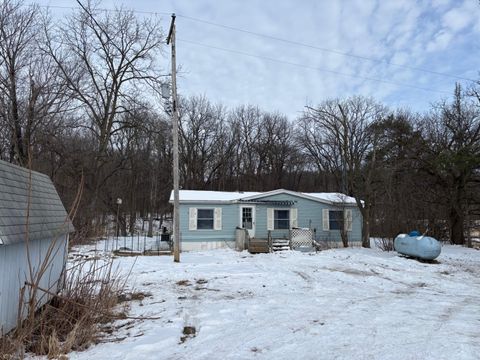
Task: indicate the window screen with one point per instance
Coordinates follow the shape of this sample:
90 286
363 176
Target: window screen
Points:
205 219
281 219
336 219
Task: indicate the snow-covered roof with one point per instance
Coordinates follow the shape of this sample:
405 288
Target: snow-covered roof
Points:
212 196
333 197
226 196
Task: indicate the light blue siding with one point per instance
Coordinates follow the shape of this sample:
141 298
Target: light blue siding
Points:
309 215
14 272
230 220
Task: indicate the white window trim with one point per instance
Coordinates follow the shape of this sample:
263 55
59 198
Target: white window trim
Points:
217 219
240 218
193 218
347 219
271 226
326 219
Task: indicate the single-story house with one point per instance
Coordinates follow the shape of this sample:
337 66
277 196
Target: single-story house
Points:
34 229
209 219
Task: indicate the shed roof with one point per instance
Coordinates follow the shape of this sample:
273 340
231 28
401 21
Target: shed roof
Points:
29 202
203 196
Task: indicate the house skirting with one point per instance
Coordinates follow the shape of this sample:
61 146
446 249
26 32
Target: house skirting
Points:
339 244
206 245
224 244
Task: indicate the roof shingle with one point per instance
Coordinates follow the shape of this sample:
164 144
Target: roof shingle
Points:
29 206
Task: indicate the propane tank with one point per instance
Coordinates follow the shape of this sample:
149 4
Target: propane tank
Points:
418 246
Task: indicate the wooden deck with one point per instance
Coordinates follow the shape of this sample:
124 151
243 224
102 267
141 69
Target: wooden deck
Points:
257 246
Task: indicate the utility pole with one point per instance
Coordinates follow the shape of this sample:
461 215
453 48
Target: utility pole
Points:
344 143
176 181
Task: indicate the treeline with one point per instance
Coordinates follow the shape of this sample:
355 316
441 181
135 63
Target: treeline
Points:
79 101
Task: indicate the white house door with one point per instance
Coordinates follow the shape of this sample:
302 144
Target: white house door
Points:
247 219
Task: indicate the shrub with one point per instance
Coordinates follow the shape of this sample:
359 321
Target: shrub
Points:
384 243
74 318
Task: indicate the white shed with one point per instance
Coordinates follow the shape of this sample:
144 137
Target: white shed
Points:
32 217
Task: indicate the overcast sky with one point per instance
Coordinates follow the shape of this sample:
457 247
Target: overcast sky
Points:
440 36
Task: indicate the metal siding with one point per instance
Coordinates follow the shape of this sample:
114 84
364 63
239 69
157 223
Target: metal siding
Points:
230 216
15 271
309 214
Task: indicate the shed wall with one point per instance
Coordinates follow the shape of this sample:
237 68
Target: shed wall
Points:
14 271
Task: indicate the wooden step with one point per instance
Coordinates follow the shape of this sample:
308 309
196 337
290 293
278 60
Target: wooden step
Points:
280 248
280 244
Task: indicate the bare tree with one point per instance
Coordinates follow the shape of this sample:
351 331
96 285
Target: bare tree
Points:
266 153
32 96
452 156
205 143
404 196
245 122
275 149
338 136
106 59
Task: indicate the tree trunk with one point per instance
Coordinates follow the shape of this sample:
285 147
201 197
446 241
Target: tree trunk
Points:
123 225
366 227
457 236
150 224
132 221
469 229
344 236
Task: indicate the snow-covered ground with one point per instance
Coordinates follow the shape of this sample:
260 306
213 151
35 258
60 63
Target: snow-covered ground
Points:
336 304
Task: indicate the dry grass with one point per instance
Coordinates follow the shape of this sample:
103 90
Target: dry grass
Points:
183 283
384 244
73 319
76 317
188 332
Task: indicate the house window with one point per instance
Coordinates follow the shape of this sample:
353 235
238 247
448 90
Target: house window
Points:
335 219
281 219
205 219
247 218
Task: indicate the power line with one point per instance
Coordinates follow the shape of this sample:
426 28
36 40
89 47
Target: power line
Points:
292 42
297 43
313 67
103 9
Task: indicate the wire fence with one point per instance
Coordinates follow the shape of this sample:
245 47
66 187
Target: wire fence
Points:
139 243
